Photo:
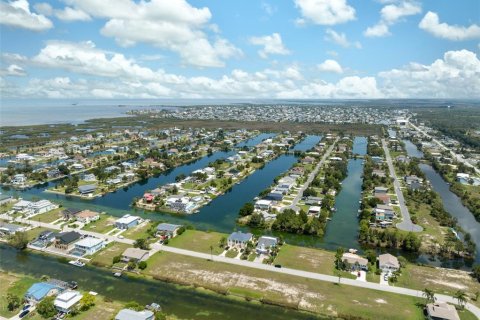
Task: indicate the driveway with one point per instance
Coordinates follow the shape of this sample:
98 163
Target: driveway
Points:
382 281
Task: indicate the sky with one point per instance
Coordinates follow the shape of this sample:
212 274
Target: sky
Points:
275 49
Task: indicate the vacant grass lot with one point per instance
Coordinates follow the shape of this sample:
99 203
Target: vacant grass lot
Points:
104 257
308 259
10 283
102 225
33 233
199 241
306 294
49 216
137 232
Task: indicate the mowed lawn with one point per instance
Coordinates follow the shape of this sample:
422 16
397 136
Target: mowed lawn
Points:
308 259
105 256
138 232
104 224
49 216
199 241
306 294
17 285
33 233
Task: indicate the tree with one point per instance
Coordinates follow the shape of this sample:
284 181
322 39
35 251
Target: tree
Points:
429 295
476 271
142 244
461 297
338 258
13 301
19 240
142 265
116 259
87 301
131 265
46 307
134 306
223 242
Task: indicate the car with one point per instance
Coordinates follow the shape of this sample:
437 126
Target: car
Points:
278 266
23 313
25 307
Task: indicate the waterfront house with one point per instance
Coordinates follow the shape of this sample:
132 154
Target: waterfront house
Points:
275 196
4 199
316 201
40 290
41 206
380 190
70 213
412 179
263 204
134 254
65 240
10 229
127 221
112 169
87 216
87 189
384 198
388 262
148 197
379 173
19 179
44 239
384 213
66 300
78 166
129 314
88 246
167 230
54 173
355 261
21 205
265 244
239 239
308 160
441 311
377 160
90 177
314 211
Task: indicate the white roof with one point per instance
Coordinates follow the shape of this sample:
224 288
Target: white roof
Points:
314 209
127 219
67 299
89 242
264 202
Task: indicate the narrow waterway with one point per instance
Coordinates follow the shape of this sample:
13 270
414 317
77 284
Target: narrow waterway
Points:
185 303
412 150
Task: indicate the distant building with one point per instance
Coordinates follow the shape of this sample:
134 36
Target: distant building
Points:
355 261
239 239
88 246
167 230
65 301
388 262
134 254
441 311
87 189
129 314
265 244
40 290
127 221
66 240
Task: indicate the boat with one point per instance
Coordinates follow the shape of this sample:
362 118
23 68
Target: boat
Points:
352 250
117 274
77 263
329 219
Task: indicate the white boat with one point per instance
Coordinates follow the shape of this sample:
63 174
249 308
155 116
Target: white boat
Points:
352 250
117 274
77 263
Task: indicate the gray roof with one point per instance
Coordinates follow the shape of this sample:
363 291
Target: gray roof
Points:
168 227
267 241
5 197
240 236
128 314
87 188
442 310
11 227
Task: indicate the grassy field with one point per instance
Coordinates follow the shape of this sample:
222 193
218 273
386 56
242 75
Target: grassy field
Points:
306 294
232 253
102 225
104 257
443 281
33 233
199 241
10 283
137 232
307 259
48 216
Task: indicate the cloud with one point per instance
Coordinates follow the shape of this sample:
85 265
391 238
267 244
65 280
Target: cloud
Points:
431 23
272 44
457 75
172 25
17 14
340 39
330 65
71 14
13 70
325 12
390 15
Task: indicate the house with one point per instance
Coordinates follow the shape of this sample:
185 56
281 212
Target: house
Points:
380 190
167 230
9 229
41 206
127 221
316 201
44 239
275 196
355 261
87 189
87 216
379 173
383 212
412 179
441 311
19 179
308 160
88 246
265 243
377 159
66 240
388 262
65 301
384 198
70 213
314 210
40 290
129 314
134 254
21 205
263 204
90 177
4 199
239 239
148 197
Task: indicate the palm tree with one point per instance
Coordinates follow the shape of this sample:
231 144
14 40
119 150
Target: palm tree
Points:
429 295
461 297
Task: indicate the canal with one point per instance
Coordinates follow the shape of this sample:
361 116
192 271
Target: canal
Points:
185 303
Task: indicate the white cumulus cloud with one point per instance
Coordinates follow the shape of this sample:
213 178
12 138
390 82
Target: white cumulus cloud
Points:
325 12
431 23
272 44
330 65
391 14
17 14
340 39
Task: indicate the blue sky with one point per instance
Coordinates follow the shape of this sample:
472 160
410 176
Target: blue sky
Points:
246 49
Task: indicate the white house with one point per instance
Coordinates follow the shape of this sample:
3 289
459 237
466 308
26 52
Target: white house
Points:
127 221
89 245
41 206
65 301
263 204
388 262
21 205
19 179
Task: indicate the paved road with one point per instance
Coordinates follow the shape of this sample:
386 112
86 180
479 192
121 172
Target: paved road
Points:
312 176
305 274
406 224
454 155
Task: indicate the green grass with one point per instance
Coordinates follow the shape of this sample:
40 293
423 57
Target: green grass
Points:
199 241
232 253
13 284
105 256
252 256
33 233
49 216
137 232
104 224
308 259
